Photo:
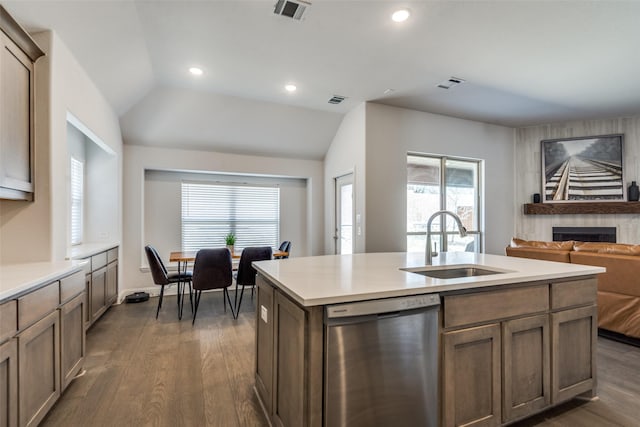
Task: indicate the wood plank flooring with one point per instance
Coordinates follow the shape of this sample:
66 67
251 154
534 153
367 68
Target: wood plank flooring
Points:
146 372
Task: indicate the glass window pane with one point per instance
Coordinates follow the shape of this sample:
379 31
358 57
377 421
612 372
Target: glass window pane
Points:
469 243
423 192
462 193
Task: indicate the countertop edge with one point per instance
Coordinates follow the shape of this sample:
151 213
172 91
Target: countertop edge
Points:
89 249
40 281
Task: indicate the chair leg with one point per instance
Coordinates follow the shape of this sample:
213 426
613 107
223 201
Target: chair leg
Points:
160 300
190 297
252 288
239 303
226 293
197 303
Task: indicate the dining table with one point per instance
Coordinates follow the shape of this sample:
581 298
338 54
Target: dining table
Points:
190 256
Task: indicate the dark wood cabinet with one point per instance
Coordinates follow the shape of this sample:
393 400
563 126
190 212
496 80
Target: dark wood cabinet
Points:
17 57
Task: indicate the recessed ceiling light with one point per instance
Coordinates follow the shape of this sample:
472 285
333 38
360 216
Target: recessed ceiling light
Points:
195 71
400 15
290 87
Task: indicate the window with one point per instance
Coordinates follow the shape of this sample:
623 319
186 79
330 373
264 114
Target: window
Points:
442 183
77 197
211 211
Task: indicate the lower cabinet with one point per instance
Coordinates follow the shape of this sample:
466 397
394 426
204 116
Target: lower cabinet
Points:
471 376
111 286
9 383
574 342
98 296
72 338
39 369
512 352
289 368
526 372
289 359
264 343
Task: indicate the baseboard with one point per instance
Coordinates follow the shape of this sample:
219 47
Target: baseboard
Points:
619 337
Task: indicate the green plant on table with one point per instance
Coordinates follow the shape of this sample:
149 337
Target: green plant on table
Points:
230 239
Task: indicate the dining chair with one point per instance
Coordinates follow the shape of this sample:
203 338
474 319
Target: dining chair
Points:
246 275
285 246
162 278
212 270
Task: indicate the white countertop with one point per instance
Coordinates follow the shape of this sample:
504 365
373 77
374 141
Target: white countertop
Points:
18 279
87 249
335 279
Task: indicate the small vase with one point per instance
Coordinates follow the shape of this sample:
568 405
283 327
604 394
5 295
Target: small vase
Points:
230 247
634 192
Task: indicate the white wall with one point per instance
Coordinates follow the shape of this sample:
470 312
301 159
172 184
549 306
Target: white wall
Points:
39 231
346 155
393 132
528 179
138 159
162 193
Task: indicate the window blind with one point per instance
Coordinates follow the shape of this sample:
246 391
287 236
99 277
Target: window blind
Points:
211 211
77 196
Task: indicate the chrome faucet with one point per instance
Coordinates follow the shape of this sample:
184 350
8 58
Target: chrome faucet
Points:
463 232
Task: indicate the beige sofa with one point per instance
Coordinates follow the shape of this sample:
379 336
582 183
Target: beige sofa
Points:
618 288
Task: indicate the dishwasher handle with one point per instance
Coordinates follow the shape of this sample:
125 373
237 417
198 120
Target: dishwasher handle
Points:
392 306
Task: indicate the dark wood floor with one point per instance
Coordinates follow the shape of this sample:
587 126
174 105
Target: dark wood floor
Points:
141 371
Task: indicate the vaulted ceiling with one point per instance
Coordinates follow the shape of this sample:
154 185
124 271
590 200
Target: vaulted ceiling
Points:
524 62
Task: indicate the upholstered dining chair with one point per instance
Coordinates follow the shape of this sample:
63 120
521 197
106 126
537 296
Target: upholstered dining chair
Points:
246 275
162 278
212 270
285 246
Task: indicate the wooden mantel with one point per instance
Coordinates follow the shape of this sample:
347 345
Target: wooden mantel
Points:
602 208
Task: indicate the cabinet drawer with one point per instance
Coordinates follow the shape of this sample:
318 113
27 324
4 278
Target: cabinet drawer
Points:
112 255
98 261
37 304
574 293
8 319
494 305
71 286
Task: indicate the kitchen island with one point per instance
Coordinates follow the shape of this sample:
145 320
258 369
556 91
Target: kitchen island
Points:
509 344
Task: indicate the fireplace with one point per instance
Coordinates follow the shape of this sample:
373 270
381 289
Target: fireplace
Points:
585 234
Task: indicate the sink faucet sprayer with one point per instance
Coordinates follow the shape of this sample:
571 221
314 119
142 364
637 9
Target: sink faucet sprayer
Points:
463 232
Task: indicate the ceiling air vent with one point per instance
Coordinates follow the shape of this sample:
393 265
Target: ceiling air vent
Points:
448 84
291 8
337 99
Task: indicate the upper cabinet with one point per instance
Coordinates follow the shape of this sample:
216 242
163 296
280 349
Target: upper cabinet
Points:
17 119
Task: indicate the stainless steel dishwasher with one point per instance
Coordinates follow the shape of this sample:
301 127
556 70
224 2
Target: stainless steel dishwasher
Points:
381 362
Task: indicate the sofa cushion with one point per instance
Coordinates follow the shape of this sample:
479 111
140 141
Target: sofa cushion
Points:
538 253
607 248
619 313
559 246
623 271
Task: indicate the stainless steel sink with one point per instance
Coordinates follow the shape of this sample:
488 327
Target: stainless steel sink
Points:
453 271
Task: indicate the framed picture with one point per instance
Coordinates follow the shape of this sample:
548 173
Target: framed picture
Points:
584 169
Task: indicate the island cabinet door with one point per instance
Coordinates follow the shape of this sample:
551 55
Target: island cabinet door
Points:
472 376
573 350
526 366
9 383
289 367
264 343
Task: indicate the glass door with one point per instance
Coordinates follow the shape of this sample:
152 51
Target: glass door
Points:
344 214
